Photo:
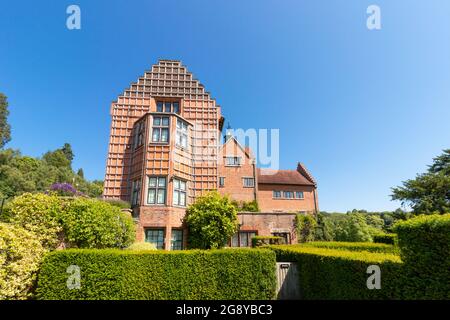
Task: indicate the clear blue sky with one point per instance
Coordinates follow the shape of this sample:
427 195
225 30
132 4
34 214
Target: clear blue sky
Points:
364 110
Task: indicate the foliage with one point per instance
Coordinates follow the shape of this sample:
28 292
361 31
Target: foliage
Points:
246 206
160 275
141 246
39 214
424 244
5 128
118 203
324 228
91 223
20 256
305 225
259 241
428 192
329 274
353 228
351 246
20 174
211 220
388 238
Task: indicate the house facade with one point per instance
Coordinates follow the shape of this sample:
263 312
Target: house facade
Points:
165 150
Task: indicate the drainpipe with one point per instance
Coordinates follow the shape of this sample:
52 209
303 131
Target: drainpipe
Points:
315 200
254 179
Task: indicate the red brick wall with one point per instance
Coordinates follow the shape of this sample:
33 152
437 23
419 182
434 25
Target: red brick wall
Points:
268 204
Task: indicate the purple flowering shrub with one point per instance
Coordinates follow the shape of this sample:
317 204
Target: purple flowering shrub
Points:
64 189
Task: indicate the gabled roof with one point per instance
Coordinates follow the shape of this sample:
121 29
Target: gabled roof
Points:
291 177
246 150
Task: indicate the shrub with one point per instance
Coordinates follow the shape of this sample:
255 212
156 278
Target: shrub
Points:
424 244
37 213
20 256
341 274
211 220
353 246
142 246
122 274
118 203
63 189
305 225
388 238
91 223
265 240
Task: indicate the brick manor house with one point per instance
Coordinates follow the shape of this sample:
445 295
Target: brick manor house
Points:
160 160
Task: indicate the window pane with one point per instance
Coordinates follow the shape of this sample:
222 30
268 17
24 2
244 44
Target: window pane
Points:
235 240
182 198
157 121
177 239
164 135
152 182
176 183
161 182
159 107
179 124
176 107
161 196
156 135
155 236
243 239
184 141
151 196
165 121
167 107
183 185
175 197
299 195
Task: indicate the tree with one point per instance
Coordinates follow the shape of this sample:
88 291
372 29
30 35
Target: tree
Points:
429 192
67 150
305 225
353 228
5 128
212 221
80 173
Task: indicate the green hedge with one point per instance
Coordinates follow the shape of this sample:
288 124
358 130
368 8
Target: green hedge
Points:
387 238
330 274
259 241
424 244
122 274
353 246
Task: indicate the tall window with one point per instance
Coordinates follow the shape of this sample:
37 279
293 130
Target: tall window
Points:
179 192
277 194
168 106
160 131
135 192
221 182
182 134
243 239
248 182
177 239
233 161
138 139
155 236
299 195
156 190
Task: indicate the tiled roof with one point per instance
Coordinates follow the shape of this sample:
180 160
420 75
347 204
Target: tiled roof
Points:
293 177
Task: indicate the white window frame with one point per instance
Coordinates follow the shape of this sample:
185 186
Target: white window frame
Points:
157 187
159 126
244 179
179 192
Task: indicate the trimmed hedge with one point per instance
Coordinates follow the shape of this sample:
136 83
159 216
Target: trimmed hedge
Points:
124 274
259 241
424 244
353 246
387 238
330 274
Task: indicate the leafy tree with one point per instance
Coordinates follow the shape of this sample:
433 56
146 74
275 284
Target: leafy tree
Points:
211 220
324 228
429 192
67 150
80 173
306 226
5 128
353 228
